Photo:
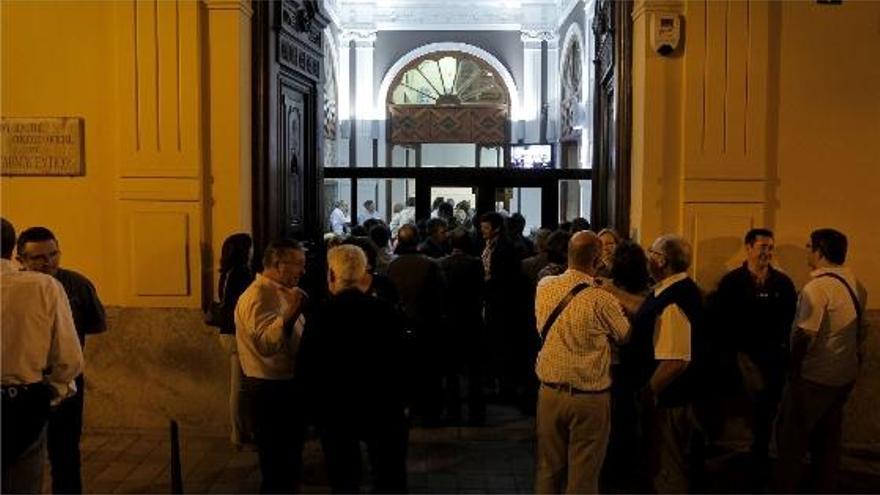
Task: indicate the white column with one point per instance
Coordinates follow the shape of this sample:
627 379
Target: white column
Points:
553 88
531 88
364 42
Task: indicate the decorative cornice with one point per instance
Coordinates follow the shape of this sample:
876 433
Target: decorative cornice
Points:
642 7
533 38
243 6
363 38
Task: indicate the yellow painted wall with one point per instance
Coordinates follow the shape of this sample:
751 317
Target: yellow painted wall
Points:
769 115
167 137
829 132
58 60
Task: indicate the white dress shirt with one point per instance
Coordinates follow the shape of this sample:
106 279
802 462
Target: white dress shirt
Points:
337 221
38 334
263 348
672 330
827 314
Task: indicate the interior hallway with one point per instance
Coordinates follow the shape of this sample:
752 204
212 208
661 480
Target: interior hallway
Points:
497 458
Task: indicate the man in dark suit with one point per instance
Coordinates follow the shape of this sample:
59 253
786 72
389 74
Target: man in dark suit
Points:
505 306
465 339
351 359
419 284
435 245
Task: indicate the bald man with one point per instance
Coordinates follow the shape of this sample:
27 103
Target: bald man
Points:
574 401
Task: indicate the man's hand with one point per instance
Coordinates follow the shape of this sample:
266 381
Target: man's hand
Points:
295 298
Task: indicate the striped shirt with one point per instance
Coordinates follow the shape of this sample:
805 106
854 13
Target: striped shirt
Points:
577 351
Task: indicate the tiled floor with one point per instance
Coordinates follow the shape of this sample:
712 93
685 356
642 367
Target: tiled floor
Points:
497 458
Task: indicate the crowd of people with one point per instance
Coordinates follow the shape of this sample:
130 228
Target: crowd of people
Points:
616 350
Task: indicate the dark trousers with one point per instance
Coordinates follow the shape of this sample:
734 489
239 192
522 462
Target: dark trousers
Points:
272 411
763 383
386 439
811 418
65 432
25 411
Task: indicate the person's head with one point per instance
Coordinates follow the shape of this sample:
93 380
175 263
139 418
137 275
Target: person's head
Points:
463 205
38 250
366 246
369 205
397 208
461 240
359 231
346 268
759 248
437 202
236 251
557 247
284 261
370 223
411 201
541 237
7 241
584 249
407 239
610 239
437 229
826 247
516 223
445 210
579 224
380 234
491 224
342 205
629 268
668 255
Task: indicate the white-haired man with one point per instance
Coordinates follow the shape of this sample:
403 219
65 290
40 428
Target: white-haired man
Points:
352 366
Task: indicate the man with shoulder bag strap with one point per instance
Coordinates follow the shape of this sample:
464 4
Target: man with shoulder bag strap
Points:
38 334
825 357
577 322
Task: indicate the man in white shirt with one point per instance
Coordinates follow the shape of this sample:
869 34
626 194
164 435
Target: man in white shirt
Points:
825 356
268 328
574 402
339 217
38 334
369 212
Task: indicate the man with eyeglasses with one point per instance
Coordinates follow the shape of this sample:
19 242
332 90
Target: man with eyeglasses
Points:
826 343
38 251
268 327
662 361
753 309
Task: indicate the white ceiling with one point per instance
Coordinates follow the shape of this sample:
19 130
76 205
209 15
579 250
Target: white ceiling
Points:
443 15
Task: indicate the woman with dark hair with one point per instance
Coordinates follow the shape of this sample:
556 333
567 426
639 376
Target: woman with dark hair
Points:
610 240
235 277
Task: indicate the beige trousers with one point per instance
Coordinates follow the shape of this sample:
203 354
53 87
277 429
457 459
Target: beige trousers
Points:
572 432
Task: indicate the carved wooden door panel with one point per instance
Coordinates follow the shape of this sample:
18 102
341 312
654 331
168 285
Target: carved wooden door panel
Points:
612 118
293 154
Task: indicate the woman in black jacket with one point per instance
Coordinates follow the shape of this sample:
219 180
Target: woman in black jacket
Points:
235 277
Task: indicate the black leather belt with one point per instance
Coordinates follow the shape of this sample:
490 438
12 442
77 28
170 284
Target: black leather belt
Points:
13 391
567 388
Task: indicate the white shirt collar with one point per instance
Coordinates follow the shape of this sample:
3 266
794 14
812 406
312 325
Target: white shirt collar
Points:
828 269
668 281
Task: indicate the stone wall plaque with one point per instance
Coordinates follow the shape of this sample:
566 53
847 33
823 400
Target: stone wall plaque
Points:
42 146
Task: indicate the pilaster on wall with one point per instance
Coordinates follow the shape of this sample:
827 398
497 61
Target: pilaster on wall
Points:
160 154
531 88
364 97
553 89
228 170
711 97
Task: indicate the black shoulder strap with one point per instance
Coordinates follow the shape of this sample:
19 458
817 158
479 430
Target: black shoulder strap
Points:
560 307
852 294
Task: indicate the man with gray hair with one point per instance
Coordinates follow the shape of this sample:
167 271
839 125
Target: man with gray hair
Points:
351 364
660 363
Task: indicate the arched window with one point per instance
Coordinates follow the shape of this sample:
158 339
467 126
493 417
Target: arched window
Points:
448 97
448 79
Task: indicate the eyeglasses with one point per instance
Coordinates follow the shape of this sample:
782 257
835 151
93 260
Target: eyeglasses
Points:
655 252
